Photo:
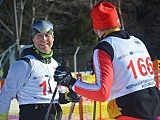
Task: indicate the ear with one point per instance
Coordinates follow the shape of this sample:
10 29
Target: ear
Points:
33 40
95 31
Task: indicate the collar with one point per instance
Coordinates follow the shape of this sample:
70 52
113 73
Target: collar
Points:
44 55
110 31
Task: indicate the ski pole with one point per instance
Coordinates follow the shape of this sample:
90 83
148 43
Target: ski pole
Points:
71 110
51 102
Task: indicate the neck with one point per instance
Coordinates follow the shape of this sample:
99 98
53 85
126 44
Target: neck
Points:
44 55
109 31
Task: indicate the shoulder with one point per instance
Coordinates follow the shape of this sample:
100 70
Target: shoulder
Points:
106 47
26 51
103 45
19 65
27 60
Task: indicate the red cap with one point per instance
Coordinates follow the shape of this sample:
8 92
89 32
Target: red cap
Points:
104 16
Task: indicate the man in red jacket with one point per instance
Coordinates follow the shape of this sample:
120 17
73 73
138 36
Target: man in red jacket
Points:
123 71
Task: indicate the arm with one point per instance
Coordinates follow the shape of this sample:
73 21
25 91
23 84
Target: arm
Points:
15 80
102 62
99 91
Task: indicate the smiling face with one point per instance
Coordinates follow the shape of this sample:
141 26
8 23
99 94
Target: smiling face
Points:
43 42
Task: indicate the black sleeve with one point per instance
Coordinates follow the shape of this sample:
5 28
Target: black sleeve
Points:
106 47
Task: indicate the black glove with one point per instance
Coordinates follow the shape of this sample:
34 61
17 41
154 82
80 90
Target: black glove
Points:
73 97
67 97
63 76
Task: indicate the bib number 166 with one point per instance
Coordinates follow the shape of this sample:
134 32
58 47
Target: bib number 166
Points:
144 67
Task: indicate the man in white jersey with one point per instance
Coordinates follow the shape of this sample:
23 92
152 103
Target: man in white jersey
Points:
31 81
123 71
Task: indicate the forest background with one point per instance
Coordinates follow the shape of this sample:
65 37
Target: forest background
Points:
73 27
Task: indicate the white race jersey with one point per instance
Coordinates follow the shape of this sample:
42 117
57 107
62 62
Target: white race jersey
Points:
37 89
132 66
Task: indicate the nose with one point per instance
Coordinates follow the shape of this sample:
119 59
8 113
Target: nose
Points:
44 37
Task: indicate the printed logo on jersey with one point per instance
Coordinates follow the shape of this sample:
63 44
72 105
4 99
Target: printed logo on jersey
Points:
137 42
143 84
130 53
37 77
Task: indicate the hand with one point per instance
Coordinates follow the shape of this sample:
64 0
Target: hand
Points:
73 97
67 97
63 76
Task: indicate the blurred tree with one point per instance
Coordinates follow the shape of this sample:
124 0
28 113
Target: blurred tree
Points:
72 21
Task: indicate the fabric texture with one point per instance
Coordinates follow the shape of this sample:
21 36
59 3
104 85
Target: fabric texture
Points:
127 107
104 16
142 104
38 112
113 110
127 118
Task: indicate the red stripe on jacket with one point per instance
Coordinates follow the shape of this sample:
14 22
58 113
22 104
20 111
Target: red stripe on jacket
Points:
104 79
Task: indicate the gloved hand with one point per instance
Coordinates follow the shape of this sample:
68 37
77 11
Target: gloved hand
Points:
4 116
63 76
67 97
73 97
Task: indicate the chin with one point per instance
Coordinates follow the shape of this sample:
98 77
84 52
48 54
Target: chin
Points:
45 50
